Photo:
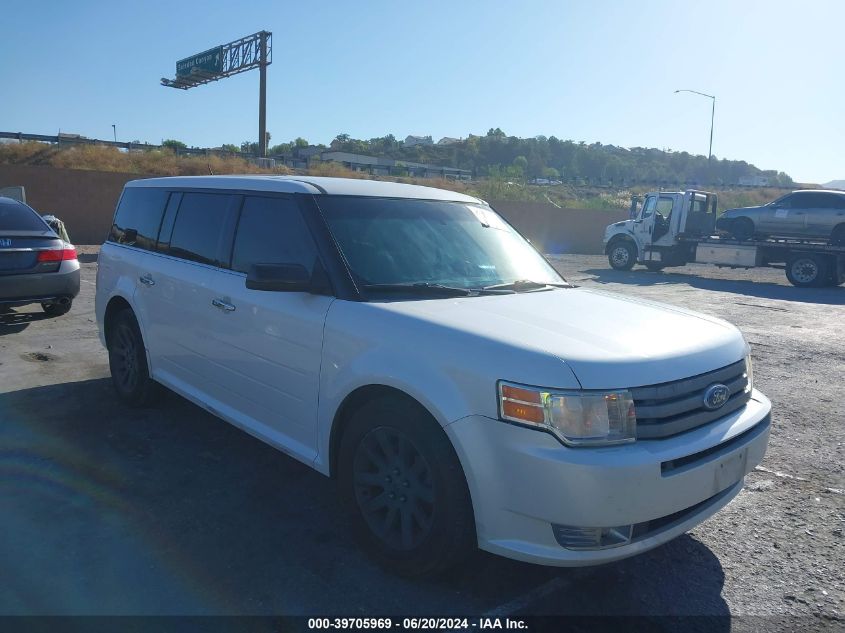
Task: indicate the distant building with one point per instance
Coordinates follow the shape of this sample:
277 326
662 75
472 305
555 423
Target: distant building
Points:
390 167
754 181
410 141
448 140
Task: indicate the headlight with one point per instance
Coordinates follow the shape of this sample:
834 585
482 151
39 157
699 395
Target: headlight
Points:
577 418
749 374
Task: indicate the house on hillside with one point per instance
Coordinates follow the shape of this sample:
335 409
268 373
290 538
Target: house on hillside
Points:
448 140
410 140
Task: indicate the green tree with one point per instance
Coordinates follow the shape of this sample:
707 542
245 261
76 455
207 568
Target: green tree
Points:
174 144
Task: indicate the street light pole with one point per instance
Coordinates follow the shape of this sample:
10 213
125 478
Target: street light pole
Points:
114 129
712 117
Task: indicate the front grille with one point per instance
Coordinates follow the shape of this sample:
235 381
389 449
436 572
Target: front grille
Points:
675 407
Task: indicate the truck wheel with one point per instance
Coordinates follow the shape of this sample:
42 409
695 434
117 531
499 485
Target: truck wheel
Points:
403 489
807 271
655 267
742 229
622 255
128 361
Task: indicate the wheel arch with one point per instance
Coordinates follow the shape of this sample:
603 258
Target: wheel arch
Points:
115 305
622 237
353 402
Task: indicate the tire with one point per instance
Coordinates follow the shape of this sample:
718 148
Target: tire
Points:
56 309
622 255
837 237
128 361
403 490
807 271
742 229
655 267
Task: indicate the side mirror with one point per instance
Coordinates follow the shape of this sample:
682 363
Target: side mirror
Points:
279 278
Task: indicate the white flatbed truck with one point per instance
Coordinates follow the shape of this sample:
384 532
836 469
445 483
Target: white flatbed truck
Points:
679 228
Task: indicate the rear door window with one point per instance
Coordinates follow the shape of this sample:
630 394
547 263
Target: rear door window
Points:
203 228
272 231
16 216
138 217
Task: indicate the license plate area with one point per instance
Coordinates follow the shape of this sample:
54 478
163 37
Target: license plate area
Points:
730 469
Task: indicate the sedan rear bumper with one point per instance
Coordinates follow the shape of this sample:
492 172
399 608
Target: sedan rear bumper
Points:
43 287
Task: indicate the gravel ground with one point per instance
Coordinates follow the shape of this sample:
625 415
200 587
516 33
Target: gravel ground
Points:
112 511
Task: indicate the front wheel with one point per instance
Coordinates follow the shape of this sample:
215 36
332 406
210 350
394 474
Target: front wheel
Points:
807 271
742 229
622 256
403 489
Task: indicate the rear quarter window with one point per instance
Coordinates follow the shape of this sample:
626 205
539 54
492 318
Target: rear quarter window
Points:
138 217
16 216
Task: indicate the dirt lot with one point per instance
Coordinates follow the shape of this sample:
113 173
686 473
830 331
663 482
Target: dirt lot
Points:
107 510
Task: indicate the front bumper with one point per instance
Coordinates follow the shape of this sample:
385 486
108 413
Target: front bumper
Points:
35 288
523 481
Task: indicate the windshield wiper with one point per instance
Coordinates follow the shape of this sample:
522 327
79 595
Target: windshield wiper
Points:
421 287
523 285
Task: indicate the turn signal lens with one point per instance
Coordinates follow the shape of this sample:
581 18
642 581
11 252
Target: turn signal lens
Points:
577 418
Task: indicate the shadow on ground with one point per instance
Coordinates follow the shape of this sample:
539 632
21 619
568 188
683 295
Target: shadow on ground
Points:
111 510
12 322
764 290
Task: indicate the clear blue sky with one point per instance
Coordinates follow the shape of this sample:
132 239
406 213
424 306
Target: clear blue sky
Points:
595 70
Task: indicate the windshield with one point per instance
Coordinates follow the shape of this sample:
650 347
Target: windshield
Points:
393 241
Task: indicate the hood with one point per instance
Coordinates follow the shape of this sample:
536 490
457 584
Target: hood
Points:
739 211
607 340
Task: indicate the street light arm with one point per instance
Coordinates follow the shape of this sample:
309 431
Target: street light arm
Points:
712 117
703 94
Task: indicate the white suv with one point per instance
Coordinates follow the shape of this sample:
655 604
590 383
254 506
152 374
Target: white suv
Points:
409 343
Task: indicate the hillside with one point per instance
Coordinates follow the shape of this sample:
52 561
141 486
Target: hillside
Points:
498 185
834 184
497 154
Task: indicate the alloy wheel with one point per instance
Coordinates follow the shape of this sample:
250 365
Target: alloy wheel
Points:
394 488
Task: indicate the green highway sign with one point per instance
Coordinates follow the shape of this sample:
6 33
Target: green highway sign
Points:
210 61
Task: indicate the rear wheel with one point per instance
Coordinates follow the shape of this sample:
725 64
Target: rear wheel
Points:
742 229
403 489
128 361
807 271
57 309
622 255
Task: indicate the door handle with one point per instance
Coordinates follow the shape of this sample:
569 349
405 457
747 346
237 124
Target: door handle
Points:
219 303
147 280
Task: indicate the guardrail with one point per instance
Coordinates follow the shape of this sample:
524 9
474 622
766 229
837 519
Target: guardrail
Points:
81 140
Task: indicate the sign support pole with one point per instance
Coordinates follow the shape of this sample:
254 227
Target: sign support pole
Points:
262 97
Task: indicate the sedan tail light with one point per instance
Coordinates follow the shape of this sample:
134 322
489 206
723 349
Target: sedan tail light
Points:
57 255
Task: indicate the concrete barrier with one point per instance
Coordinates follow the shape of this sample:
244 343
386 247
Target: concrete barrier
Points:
85 201
560 231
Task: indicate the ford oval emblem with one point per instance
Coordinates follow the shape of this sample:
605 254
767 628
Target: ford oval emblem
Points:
715 396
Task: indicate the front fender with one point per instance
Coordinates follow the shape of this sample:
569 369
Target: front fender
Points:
451 373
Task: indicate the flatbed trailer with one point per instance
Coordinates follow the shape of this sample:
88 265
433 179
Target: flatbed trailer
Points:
806 263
